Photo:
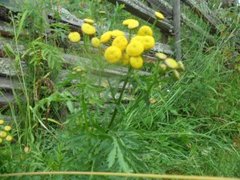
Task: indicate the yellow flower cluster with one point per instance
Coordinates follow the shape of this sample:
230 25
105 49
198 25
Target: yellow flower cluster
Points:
4 132
125 49
170 64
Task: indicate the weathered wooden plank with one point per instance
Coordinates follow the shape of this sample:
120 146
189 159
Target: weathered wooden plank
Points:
67 17
8 41
7 83
6 30
117 71
160 47
140 10
163 6
198 29
95 80
184 19
202 9
4 14
5 118
6 98
7 67
177 28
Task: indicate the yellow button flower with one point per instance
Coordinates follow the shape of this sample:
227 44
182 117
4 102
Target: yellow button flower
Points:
105 37
113 54
135 48
9 138
116 33
171 63
88 29
161 56
136 62
176 74
95 42
145 31
1 121
121 42
131 23
159 15
181 65
3 134
163 67
127 21
74 37
7 128
148 42
125 59
88 20
137 38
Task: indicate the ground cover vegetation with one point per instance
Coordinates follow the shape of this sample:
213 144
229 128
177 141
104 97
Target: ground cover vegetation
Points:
173 121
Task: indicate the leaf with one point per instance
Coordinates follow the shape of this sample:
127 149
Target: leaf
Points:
122 163
21 23
53 121
112 156
70 106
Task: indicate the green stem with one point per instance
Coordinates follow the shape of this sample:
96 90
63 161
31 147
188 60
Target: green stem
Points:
154 23
119 99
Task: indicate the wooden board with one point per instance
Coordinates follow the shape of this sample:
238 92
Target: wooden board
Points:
177 28
140 10
7 67
6 30
7 83
6 97
162 6
165 5
201 8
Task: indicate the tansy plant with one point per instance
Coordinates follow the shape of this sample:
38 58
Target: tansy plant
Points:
127 49
5 132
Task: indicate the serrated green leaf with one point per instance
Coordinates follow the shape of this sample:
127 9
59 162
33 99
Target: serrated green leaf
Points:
122 163
70 106
112 156
21 23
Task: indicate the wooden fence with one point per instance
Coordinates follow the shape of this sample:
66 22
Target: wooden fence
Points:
170 27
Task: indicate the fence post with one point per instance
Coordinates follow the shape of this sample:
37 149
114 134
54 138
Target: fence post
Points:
177 28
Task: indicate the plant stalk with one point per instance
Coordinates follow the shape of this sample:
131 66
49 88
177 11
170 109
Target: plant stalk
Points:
119 99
